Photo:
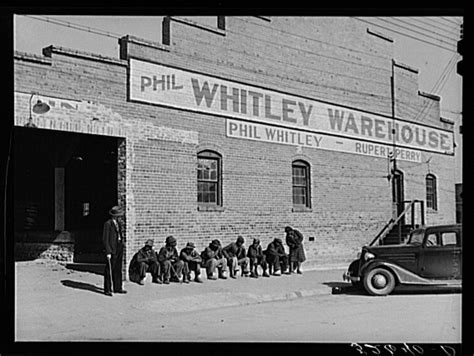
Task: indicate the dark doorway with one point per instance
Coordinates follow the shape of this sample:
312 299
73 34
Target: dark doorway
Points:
397 192
65 183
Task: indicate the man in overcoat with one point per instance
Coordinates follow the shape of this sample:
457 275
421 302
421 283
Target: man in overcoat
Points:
235 255
192 262
169 261
276 256
113 240
294 240
257 257
145 260
213 258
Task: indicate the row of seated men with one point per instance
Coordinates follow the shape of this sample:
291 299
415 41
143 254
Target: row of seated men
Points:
167 265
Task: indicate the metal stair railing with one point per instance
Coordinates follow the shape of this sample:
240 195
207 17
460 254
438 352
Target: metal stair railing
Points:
391 223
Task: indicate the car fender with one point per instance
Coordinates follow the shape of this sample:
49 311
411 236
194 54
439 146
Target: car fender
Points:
402 275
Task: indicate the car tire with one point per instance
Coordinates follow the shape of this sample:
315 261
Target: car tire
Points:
379 281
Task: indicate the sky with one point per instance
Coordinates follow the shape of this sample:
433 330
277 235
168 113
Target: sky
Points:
437 71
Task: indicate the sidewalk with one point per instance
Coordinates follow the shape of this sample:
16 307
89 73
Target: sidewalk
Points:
51 298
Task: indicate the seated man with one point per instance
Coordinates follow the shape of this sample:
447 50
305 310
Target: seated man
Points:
257 257
144 261
276 257
212 258
235 255
169 261
192 262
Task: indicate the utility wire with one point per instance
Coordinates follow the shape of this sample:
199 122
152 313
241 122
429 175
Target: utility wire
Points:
415 31
425 29
406 35
454 31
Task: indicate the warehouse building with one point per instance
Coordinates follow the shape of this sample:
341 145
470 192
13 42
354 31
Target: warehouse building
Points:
235 129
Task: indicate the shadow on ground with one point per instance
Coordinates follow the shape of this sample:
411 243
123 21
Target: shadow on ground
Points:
349 289
82 285
86 267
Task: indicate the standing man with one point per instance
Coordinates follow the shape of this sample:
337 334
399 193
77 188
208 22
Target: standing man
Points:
213 258
145 260
276 256
113 240
169 261
192 262
257 257
294 240
235 255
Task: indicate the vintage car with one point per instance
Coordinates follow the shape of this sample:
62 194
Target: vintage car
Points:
431 256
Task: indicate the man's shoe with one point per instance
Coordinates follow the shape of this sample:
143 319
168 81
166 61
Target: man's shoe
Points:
109 294
198 279
276 273
157 281
213 278
265 274
299 272
185 280
142 282
166 281
121 291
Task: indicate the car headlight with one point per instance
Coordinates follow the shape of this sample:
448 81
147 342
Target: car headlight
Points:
368 256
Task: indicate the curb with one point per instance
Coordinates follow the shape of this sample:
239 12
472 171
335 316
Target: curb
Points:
218 300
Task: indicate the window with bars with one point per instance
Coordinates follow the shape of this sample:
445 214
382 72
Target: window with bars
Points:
209 178
431 199
301 184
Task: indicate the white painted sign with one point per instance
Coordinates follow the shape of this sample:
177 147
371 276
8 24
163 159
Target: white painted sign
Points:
163 85
267 133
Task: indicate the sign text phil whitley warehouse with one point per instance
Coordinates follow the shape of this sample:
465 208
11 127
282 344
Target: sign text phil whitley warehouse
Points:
153 83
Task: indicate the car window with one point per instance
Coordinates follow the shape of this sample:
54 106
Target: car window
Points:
432 240
448 238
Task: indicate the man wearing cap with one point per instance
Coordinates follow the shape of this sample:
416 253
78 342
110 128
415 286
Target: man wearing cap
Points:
235 255
169 261
145 260
192 262
276 256
113 240
213 258
257 257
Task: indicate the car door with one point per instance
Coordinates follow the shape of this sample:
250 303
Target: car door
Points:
440 255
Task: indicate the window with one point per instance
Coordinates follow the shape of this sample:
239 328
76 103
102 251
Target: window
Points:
431 199
209 178
449 238
301 184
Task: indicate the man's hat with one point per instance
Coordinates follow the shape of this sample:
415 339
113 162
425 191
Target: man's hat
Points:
170 240
149 242
215 242
116 211
288 228
240 239
190 245
257 241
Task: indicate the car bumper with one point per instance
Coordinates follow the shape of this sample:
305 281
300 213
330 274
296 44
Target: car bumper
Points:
348 277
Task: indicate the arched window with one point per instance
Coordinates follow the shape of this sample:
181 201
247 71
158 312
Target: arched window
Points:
301 184
431 196
209 178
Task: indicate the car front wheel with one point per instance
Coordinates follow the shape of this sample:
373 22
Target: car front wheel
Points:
379 281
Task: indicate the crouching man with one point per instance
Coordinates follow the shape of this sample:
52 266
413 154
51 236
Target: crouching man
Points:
257 257
192 263
276 257
145 260
235 255
169 260
213 258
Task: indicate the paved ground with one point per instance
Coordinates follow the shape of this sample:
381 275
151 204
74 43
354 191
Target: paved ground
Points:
54 303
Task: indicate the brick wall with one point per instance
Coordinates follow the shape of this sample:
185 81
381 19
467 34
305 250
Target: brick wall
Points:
332 59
